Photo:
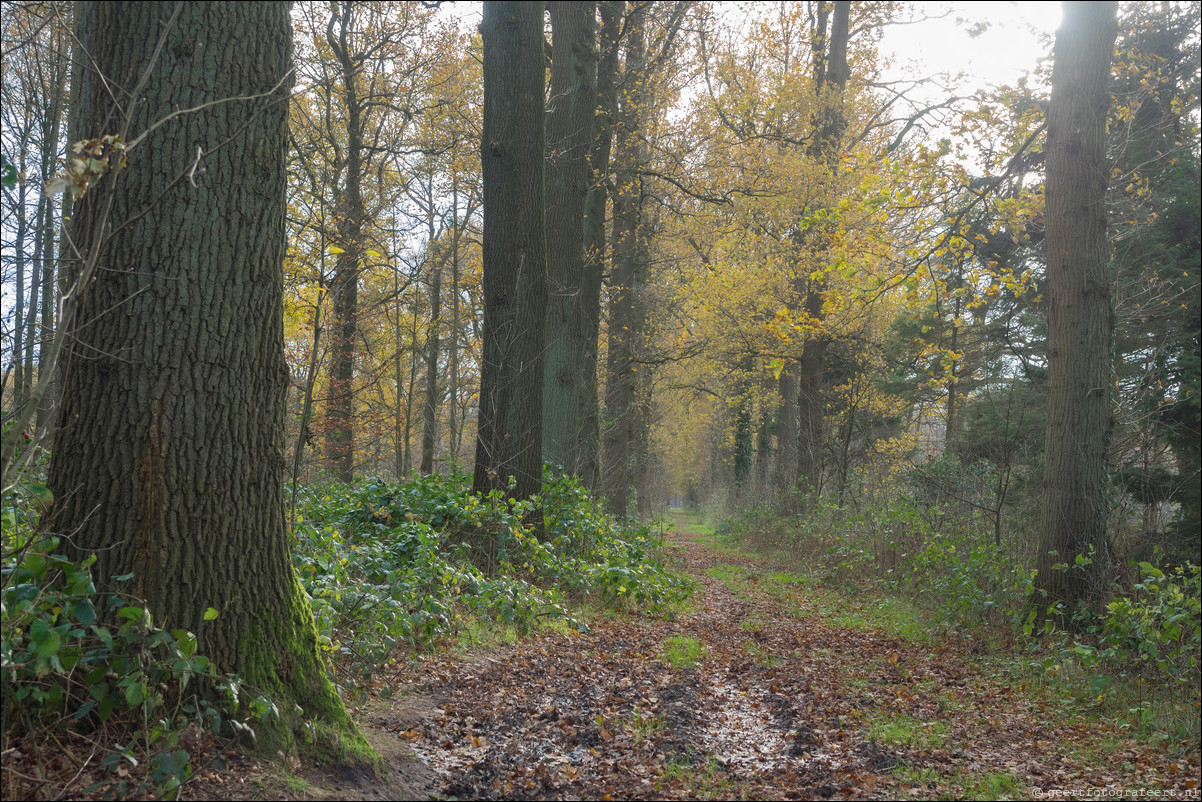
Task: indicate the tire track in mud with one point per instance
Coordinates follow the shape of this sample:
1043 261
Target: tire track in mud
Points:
601 714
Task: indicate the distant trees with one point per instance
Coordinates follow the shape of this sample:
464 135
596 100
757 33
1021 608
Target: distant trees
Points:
387 103
34 92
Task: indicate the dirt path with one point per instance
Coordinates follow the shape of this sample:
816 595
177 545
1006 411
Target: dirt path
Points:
778 700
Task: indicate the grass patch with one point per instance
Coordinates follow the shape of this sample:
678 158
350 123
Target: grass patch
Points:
708 781
296 785
890 614
907 731
681 651
643 726
761 655
728 573
478 633
962 785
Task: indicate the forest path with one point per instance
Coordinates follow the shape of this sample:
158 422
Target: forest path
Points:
766 687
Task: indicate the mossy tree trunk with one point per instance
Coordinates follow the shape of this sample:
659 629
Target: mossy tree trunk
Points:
169 455
1080 318
509 432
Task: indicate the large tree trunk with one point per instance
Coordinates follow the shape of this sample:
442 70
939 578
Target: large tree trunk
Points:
594 238
631 257
570 123
169 454
1080 320
509 431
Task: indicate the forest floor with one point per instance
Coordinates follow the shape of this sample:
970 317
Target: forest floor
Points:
764 686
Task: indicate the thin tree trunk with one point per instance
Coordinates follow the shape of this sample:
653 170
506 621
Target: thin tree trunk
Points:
22 233
430 408
344 288
763 455
744 450
50 155
631 254
408 456
786 431
303 436
453 369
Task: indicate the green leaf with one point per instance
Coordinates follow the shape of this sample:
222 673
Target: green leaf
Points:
130 612
135 694
85 612
210 613
42 493
49 645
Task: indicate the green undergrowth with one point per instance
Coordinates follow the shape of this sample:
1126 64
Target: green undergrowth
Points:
95 669
390 569
393 569
921 573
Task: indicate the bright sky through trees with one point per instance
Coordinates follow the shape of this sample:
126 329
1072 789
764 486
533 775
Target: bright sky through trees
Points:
1010 39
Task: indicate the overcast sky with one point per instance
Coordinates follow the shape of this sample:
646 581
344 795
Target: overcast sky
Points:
1018 35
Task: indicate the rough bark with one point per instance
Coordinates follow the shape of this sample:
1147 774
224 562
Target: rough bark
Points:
509 431
169 454
1080 319
570 123
594 238
631 256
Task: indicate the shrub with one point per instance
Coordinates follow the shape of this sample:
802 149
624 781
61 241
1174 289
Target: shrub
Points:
71 658
393 565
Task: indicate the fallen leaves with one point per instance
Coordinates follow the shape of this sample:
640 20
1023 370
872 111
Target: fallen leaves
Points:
778 707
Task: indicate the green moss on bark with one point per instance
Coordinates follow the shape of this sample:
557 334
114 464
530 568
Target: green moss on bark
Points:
280 656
